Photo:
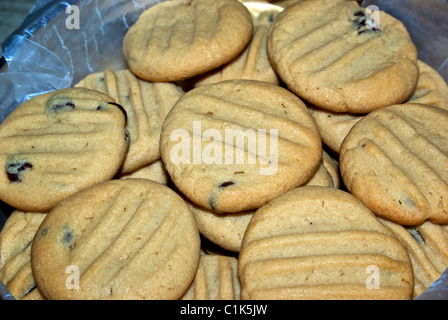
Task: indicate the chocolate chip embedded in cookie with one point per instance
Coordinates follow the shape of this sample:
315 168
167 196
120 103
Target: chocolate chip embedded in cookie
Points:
341 57
176 40
58 143
120 239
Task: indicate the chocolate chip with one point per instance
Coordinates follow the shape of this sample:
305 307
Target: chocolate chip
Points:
14 170
43 232
416 235
63 107
226 184
68 237
121 108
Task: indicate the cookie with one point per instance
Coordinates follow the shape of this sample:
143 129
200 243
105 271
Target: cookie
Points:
339 57
227 230
253 62
427 246
154 171
216 279
146 104
120 239
431 88
234 145
58 143
177 40
15 254
321 243
333 127
394 159
224 230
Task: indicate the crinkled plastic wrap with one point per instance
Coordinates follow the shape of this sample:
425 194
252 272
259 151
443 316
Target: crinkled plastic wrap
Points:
49 52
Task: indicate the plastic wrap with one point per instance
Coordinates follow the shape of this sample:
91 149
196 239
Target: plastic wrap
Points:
49 51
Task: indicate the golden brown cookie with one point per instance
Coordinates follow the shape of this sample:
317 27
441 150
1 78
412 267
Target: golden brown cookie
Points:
154 171
216 279
394 160
339 57
333 127
120 239
146 104
321 243
234 145
427 246
58 143
176 40
253 62
15 253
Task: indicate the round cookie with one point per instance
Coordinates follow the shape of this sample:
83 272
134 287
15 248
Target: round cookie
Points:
227 230
58 143
120 239
253 62
146 104
216 279
333 127
427 246
339 57
176 40
318 243
234 145
15 254
394 161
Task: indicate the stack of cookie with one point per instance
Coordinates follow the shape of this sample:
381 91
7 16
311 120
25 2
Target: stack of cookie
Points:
251 150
